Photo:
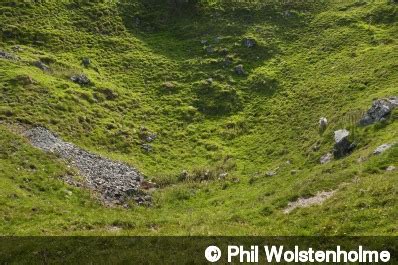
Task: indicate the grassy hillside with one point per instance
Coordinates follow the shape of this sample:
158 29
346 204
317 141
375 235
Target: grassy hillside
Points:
171 72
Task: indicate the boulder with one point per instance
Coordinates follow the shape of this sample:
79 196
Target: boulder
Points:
342 146
249 43
382 148
326 158
81 79
379 111
239 70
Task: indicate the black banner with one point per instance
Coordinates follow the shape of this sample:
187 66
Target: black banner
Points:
198 250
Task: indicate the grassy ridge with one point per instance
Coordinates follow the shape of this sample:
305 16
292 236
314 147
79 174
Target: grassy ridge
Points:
149 69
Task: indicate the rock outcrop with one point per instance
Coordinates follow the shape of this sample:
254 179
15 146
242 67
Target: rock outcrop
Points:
379 111
342 146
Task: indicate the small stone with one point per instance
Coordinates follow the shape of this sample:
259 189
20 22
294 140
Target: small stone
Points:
382 148
239 70
379 111
209 81
184 175
249 42
41 66
204 42
86 62
228 61
8 56
147 148
270 173
326 158
223 51
114 181
146 185
17 48
223 175
391 168
81 79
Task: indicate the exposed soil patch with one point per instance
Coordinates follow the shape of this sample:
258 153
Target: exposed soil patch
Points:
114 181
307 202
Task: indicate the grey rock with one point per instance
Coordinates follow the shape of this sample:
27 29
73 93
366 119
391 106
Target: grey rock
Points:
147 148
204 42
270 173
17 48
249 42
391 168
209 81
239 70
114 181
209 49
342 146
382 148
86 62
223 51
147 136
223 175
326 158
379 111
42 66
81 79
8 56
227 61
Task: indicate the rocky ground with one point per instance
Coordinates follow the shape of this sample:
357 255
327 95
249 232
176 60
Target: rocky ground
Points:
116 182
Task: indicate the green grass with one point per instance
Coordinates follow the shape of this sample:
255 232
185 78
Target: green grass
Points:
326 59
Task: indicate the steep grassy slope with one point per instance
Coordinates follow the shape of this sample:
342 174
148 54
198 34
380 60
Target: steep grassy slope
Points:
150 69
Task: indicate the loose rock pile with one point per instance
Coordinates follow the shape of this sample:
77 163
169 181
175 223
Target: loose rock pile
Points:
114 181
8 56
